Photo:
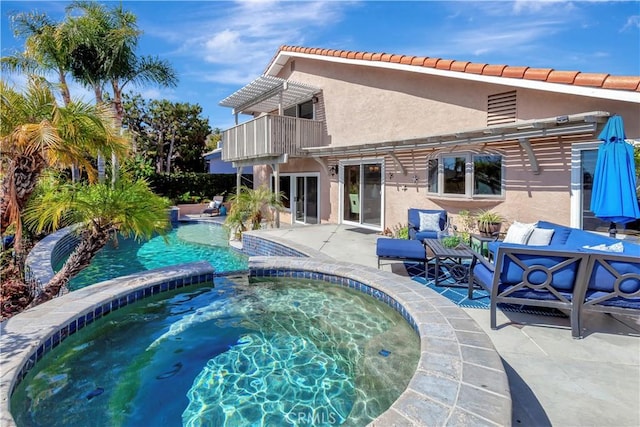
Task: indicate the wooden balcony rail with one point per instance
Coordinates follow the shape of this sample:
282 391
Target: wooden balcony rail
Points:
269 136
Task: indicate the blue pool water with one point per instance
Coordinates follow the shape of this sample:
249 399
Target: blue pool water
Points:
185 243
275 352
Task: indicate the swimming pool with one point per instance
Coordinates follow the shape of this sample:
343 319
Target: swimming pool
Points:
273 351
185 243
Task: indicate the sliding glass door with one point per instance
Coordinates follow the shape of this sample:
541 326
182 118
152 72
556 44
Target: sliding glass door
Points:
306 199
362 194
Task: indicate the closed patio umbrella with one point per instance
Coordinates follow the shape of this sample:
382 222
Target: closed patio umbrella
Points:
614 182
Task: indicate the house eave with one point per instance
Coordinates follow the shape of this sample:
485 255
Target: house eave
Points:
593 92
573 124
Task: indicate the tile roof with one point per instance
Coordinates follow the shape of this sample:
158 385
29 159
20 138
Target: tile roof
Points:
577 78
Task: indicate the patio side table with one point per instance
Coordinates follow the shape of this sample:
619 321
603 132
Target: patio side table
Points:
479 243
453 260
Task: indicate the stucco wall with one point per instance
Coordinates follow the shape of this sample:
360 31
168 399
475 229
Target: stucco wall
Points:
367 105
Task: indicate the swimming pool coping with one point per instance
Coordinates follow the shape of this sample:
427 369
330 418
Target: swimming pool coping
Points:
460 377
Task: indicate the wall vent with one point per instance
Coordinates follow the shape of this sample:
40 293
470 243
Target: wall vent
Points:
501 108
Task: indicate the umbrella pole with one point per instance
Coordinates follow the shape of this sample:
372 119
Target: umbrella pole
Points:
612 229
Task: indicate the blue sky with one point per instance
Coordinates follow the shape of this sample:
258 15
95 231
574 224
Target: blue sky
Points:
217 47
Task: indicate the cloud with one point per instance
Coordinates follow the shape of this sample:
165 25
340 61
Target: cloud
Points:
632 22
245 34
510 38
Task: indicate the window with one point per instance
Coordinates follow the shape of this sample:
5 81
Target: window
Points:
465 175
285 189
303 111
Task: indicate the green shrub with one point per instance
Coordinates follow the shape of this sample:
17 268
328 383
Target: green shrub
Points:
191 187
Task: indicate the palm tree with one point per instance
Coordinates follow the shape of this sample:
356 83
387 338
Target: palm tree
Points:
104 51
102 212
249 207
35 133
46 49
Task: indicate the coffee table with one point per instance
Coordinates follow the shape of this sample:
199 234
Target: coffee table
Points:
453 261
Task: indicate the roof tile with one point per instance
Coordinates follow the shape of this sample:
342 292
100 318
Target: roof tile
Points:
431 62
590 79
407 60
603 80
418 60
459 66
566 77
475 68
537 73
514 72
444 64
622 82
493 70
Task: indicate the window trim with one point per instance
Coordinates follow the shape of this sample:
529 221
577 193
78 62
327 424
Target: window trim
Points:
469 176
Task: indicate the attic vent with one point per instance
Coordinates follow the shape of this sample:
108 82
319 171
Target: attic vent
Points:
501 108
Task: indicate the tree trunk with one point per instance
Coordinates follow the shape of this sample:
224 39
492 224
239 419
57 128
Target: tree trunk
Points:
170 153
119 114
160 153
18 183
64 88
97 90
91 242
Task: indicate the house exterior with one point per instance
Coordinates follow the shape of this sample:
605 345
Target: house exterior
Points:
357 138
215 164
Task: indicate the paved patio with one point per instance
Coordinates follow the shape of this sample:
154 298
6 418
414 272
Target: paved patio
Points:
554 379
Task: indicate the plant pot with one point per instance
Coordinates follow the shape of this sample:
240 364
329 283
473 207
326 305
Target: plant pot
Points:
489 229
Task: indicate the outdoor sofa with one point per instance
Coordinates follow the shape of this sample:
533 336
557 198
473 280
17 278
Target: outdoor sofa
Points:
575 271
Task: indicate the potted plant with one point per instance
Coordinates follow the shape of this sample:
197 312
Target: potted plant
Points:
489 222
249 208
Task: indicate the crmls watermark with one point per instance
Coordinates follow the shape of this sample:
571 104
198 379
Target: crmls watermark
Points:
312 418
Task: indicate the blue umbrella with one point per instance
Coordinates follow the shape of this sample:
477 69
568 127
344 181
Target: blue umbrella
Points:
614 182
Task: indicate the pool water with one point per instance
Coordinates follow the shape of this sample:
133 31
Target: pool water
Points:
279 352
185 243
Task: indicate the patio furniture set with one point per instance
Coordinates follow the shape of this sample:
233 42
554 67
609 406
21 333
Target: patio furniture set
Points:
542 264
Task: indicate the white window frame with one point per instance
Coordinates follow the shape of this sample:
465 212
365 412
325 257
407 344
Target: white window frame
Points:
292 189
341 207
575 198
469 175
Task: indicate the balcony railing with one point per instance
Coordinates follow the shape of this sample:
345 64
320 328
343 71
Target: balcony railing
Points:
270 136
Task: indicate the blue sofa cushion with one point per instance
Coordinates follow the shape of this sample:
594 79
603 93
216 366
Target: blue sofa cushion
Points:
562 279
603 280
400 249
421 235
560 235
633 303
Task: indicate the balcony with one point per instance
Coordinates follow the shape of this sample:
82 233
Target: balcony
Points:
270 136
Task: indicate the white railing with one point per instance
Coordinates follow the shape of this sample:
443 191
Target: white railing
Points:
270 135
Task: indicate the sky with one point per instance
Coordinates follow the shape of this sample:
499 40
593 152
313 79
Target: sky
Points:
217 47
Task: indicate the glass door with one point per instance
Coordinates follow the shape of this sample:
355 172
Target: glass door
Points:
362 194
306 199
371 194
